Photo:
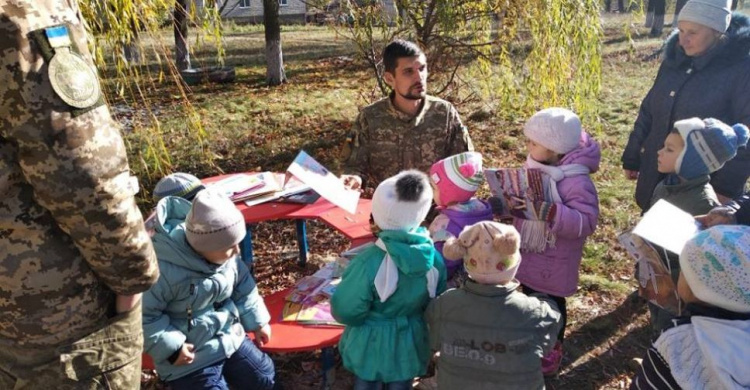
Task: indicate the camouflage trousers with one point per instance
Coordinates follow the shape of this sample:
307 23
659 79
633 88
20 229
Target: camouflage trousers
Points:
109 358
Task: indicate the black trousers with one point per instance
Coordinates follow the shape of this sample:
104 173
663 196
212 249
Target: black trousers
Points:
560 301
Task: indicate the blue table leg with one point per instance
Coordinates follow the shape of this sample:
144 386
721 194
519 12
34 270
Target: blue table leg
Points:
302 241
328 363
247 248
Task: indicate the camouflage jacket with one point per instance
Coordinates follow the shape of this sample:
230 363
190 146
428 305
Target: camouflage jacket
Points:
385 141
71 235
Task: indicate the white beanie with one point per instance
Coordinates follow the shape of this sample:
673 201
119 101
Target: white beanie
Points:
714 14
213 223
557 129
716 265
402 202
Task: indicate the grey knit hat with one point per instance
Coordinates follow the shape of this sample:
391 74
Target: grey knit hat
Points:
213 223
714 14
179 184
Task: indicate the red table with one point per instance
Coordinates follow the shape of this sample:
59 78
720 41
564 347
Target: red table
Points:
292 336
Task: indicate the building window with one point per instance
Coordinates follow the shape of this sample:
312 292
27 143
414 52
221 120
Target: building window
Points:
244 3
283 2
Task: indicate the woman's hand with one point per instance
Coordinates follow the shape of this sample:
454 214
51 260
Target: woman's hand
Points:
631 175
717 216
352 182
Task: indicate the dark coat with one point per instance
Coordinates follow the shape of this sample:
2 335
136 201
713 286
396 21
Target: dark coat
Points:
714 85
742 208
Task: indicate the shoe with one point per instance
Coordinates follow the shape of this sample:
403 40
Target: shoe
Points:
551 361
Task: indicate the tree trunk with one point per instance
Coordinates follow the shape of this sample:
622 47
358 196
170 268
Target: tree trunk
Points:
180 24
274 59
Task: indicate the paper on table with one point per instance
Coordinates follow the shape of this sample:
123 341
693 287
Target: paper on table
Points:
325 183
668 226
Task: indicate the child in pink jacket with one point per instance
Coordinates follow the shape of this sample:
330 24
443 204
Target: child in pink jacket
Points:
560 148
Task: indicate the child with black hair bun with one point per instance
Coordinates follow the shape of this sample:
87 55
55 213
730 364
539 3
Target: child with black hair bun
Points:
386 288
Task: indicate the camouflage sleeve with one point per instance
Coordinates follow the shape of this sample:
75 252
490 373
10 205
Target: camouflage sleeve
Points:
76 166
460 141
355 150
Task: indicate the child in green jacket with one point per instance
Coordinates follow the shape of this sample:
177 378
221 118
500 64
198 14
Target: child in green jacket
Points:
386 288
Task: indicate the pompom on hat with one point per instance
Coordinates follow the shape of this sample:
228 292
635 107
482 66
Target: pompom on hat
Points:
213 223
179 184
716 265
489 250
557 129
714 14
708 145
402 202
457 177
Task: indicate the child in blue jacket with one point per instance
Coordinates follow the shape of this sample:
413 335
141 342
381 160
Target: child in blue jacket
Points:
196 317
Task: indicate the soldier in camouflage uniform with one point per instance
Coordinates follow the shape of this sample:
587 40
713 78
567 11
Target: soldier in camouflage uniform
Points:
74 255
406 130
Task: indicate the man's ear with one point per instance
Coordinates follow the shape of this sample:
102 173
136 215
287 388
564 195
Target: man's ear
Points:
389 78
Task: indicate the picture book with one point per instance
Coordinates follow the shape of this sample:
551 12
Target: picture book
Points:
655 283
324 182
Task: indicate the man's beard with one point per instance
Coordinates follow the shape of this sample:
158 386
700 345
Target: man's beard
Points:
410 95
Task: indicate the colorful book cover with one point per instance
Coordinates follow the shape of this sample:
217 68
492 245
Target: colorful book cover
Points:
655 282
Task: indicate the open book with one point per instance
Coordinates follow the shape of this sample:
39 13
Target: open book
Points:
662 232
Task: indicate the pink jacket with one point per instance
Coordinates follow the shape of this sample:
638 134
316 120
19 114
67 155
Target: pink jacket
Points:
555 271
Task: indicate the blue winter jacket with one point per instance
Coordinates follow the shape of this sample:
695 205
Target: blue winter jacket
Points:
713 85
194 301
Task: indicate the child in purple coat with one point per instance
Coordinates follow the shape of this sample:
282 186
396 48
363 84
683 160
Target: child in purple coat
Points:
454 181
560 148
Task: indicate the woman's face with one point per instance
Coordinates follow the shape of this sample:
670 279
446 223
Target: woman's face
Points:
695 38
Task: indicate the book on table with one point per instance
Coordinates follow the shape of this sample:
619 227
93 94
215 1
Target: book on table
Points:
244 186
292 188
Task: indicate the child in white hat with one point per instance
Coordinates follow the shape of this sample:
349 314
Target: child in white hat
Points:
195 318
708 349
489 334
455 180
385 289
557 146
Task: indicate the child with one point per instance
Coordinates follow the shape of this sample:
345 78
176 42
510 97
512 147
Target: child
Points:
559 147
454 182
196 317
489 334
179 184
709 348
385 289
692 151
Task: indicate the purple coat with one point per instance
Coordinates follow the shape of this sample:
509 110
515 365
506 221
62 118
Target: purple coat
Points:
555 271
457 220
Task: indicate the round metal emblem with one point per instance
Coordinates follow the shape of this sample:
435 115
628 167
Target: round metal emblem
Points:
73 79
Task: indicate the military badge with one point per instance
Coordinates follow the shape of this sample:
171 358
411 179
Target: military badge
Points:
72 78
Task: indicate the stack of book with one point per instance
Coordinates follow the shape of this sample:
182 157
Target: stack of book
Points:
245 186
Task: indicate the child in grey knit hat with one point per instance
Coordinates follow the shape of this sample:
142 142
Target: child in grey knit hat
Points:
196 317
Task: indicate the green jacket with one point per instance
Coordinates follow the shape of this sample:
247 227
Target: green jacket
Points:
695 196
491 337
387 341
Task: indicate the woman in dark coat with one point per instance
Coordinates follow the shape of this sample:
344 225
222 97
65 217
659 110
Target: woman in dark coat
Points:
705 74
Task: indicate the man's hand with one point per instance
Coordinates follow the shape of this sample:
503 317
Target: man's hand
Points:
263 335
631 175
717 216
125 303
186 356
352 182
